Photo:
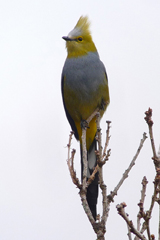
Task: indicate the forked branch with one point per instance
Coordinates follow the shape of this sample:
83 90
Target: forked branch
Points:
102 156
142 214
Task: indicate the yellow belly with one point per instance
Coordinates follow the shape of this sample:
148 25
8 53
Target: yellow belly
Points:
80 109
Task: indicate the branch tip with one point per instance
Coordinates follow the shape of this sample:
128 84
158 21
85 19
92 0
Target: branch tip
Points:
152 237
148 117
144 181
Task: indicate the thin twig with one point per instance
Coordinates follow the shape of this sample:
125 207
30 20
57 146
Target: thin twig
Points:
141 213
83 190
86 206
70 163
107 138
99 139
91 178
85 184
149 121
69 143
148 232
129 230
125 175
102 157
156 159
100 228
143 191
154 197
84 154
101 162
121 211
153 200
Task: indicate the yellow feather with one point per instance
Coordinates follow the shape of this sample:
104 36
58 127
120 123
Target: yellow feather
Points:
84 24
80 48
84 88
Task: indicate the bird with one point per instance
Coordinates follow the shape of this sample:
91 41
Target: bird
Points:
84 87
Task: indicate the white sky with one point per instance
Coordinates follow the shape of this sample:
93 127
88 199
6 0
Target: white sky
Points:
38 200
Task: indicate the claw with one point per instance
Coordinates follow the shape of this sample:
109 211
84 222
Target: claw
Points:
84 124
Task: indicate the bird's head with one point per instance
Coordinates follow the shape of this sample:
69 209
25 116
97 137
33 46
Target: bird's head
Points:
79 40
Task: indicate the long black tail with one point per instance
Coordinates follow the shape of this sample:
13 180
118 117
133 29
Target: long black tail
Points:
92 191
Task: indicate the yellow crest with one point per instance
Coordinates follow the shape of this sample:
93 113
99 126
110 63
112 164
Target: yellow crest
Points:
83 25
79 40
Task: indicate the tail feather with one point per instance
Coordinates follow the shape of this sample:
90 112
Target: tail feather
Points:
92 190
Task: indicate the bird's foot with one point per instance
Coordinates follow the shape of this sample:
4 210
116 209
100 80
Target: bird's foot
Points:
84 124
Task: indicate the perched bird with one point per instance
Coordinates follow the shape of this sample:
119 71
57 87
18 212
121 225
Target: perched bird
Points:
84 88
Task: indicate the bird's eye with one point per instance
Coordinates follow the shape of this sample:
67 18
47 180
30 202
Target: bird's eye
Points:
80 39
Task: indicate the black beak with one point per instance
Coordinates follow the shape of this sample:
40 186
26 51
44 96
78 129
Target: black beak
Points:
67 39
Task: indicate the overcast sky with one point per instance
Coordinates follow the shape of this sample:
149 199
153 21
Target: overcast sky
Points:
37 198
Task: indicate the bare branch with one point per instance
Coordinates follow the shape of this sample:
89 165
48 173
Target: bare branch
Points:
143 191
70 163
99 139
107 138
102 157
141 213
99 227
156 159
147 216
149 121
129 230
84 150
69 143
91 178
121 211
86 207
125 175
101 162
154 197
